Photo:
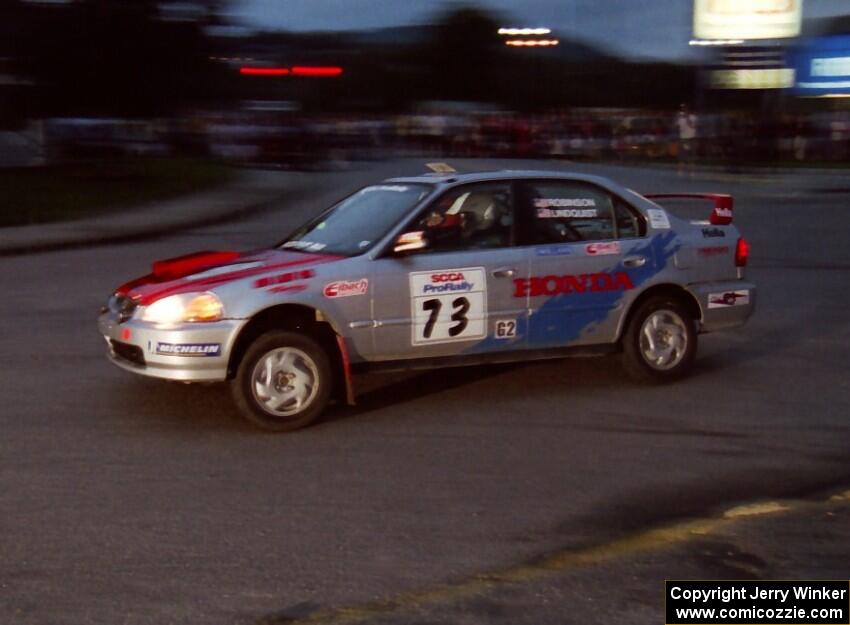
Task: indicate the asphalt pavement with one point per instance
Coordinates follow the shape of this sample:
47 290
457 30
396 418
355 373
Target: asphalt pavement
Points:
440 497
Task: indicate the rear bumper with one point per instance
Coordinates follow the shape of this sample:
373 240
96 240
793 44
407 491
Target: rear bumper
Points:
724 305
192 352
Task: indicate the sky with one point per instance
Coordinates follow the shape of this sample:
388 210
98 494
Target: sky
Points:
636 28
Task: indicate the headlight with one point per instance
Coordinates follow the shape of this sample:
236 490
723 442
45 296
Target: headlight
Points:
186 307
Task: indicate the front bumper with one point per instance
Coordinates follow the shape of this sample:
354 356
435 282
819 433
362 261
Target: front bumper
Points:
196 352
725 305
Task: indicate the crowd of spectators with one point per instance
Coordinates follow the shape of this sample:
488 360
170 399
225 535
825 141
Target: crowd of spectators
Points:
295 140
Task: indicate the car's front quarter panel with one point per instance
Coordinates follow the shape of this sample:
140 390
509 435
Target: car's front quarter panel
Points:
340 292
192 352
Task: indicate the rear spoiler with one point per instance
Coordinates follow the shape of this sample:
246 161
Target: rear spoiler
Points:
721 215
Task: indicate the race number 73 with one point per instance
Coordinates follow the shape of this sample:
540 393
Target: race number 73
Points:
460 306
448 305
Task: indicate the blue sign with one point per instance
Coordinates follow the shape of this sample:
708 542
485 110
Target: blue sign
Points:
822 66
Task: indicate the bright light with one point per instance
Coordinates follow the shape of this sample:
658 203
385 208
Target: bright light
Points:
715 42
532 42
264 71
524 31
316 71
189 307
297 70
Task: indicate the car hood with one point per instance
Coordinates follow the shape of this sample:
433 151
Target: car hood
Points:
202 271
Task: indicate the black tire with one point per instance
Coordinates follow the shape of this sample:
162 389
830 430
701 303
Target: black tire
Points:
675 324
313 365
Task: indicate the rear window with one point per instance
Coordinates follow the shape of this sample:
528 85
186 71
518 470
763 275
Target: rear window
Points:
564 212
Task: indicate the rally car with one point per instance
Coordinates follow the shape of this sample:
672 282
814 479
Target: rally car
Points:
438 270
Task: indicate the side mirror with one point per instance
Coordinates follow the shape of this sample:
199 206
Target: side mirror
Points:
410 241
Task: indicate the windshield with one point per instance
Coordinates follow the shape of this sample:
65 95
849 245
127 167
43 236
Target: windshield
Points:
359 221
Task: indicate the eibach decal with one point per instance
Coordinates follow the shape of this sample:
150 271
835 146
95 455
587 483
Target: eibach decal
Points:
729 298
601 249
346 288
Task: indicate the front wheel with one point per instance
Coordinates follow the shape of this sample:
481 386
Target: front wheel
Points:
660 342
283 382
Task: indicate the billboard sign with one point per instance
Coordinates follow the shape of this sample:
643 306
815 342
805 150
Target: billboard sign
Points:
822 66
747 19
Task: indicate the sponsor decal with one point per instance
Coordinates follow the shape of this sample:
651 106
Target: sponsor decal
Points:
562 285
283 278
658 218
556 250
189 349
126 334
288 288
307 246
716 250
566 213
709 233
562 202
505 329
448 282
386 187
346 288
448 305
729 298
218 271
720 211
602 249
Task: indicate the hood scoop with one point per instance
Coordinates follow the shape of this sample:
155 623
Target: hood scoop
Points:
173 268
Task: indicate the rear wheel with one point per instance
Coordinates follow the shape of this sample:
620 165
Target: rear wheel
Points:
660 342
283 382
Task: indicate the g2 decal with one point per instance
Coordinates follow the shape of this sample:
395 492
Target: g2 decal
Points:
505 329
448 305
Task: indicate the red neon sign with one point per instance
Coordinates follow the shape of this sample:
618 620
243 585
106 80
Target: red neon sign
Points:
297 70
264 71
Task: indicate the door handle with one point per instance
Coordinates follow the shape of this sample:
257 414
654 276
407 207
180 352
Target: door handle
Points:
504 272
634 261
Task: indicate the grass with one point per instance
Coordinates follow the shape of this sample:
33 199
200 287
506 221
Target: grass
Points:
39 195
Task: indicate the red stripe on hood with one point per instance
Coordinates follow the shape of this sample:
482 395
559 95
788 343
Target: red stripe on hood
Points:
151 287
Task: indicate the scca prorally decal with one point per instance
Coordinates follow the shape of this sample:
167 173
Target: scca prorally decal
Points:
283 278
600 249
729 298
345 288
448 305
717 250
189 349
583 283
447 281
710 233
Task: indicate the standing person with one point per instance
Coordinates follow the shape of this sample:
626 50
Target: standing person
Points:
686 124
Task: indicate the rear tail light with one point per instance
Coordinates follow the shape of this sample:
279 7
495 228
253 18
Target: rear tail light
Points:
742 252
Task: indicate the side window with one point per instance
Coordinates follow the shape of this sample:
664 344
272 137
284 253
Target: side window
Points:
630 224
471 217
562 212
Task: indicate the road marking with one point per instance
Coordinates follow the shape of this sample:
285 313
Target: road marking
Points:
755 509
559 561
